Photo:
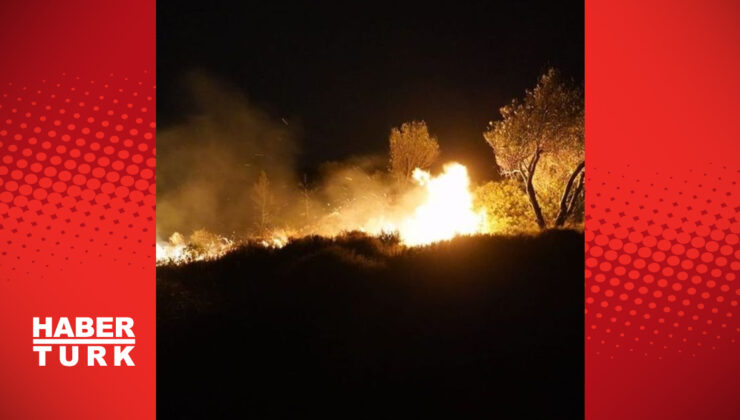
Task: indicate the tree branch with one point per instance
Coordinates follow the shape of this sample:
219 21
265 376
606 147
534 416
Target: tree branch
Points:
578 191
567 201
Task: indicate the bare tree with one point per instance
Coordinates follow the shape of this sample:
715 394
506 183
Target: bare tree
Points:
306 198
411 147
263 201
545 128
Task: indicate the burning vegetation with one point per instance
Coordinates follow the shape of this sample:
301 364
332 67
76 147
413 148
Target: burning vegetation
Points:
227 175
439 208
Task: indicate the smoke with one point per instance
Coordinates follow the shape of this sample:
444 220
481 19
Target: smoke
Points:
210 176
361 193
227 174
208 163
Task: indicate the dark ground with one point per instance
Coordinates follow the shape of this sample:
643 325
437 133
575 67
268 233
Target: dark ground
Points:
481 327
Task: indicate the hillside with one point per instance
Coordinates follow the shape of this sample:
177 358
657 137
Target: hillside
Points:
363 328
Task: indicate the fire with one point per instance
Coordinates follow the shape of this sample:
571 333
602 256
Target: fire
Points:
277 239
447 210
201 246
167 252
442 211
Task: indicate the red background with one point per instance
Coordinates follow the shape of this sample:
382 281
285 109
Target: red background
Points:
662 205
77 204
77 228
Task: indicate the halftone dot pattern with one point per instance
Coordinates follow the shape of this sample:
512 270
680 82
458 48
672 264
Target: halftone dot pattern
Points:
662 259
77 164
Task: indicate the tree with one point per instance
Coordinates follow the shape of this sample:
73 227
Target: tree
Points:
305 189
411 147
540 141
507 208
263 200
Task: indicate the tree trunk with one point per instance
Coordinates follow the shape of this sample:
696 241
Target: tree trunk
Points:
531 194
579 189
535 204
567 202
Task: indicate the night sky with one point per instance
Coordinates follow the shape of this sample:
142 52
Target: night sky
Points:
347 75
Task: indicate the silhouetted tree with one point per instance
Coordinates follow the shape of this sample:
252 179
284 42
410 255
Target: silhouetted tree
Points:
263 198
305 188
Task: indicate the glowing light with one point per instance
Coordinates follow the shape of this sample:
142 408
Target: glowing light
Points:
447 210
444 210
177 250
277 239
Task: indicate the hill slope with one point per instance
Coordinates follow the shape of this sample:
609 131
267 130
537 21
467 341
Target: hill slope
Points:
363 328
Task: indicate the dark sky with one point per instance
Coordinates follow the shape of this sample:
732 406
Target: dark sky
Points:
347 75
